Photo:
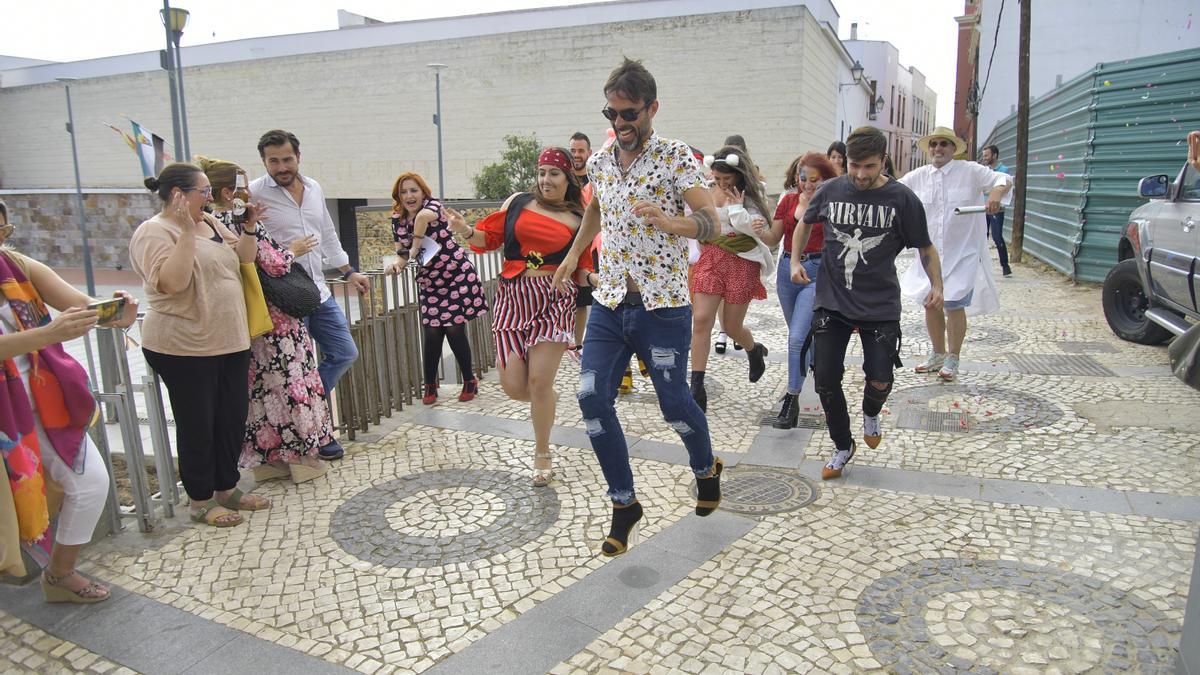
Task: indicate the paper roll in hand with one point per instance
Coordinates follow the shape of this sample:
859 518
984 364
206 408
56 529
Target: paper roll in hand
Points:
964 210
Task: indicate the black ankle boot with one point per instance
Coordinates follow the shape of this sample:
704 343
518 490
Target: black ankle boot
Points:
788 412
758 361
623 521
698 391
708 490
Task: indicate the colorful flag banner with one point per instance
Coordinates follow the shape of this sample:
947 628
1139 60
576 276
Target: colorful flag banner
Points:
150 149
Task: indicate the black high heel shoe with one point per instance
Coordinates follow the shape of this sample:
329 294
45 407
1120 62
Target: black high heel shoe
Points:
623 532
708 489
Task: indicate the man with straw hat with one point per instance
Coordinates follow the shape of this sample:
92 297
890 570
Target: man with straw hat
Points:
945 185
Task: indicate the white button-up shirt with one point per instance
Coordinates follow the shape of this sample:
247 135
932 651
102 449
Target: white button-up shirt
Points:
961 241
286 221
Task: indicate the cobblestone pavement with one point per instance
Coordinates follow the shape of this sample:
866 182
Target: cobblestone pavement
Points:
427 549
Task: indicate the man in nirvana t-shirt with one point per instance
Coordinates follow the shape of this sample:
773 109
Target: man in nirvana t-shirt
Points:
869 219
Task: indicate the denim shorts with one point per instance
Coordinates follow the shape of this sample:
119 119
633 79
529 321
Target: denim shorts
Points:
962 302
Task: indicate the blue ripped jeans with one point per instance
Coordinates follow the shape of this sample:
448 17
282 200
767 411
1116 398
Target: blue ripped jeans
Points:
797 303
662 339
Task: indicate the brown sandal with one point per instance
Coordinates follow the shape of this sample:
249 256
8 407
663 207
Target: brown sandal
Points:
234 501
54 591
204 515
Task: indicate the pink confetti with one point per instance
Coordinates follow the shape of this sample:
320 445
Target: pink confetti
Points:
1060 155
956 404
962 423
1061 175
988 413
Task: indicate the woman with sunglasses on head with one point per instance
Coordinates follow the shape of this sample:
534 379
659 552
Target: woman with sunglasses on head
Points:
732 266
450 290
289 419
196 338
804 176
533 322
46 406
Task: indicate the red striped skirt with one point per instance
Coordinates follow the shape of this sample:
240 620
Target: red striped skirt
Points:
528 310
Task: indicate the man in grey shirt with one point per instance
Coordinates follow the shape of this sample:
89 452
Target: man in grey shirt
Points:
298 219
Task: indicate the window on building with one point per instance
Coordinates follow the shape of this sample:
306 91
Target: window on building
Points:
892 106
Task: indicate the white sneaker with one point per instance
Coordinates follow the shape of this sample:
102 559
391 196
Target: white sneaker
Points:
872 431
949 371
932 364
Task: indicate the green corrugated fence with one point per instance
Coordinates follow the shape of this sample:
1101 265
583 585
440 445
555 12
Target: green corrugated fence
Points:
1090 141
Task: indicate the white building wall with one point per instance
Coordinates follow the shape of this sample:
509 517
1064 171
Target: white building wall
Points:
1068 38
364 115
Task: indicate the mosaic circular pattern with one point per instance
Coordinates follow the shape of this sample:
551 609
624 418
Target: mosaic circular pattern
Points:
443 517
971 407
977 334
994 616
759 491
444 513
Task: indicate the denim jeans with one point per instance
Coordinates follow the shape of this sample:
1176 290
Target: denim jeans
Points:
662 338
329 328
995 223
797 303
881 355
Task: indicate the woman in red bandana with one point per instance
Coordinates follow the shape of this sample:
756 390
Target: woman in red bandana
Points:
533 322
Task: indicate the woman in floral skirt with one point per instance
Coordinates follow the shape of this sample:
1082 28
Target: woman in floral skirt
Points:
289 417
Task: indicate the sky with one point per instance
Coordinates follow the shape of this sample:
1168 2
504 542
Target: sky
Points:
71 30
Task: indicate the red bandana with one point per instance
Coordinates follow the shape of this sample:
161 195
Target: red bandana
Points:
555 157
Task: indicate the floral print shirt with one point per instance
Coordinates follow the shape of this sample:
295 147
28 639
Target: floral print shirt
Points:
655 260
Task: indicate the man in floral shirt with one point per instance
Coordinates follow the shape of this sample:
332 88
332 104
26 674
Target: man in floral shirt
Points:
641 184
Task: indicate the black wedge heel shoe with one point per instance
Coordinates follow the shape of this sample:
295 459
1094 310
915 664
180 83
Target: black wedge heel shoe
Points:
623 532
708 489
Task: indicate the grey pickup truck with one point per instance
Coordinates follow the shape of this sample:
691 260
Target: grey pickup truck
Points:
1151 294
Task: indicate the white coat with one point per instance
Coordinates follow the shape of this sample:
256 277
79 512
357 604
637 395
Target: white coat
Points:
961 241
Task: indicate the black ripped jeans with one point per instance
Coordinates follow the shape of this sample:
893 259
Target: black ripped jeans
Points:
881 355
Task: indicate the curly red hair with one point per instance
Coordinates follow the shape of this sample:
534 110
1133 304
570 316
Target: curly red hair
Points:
416 178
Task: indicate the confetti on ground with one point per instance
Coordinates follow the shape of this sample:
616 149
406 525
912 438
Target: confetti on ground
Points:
1061 175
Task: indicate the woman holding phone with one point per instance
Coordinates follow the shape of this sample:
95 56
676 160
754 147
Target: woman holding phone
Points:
45 420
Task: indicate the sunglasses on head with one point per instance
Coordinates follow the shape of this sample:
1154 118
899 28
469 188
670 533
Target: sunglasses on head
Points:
627 114
937 143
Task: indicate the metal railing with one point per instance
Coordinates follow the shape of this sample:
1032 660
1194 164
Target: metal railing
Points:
385 326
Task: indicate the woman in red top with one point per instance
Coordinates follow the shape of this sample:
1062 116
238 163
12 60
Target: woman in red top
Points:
803 178
533 323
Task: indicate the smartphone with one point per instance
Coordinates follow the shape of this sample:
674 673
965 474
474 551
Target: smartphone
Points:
109 310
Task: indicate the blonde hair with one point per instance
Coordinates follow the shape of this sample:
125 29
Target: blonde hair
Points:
221 174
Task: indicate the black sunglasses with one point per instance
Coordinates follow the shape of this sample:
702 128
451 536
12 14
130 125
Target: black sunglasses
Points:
628 114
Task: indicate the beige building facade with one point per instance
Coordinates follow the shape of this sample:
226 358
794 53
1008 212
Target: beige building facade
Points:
361 99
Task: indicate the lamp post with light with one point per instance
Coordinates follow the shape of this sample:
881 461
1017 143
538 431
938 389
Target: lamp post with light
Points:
83 233
174 20
437 119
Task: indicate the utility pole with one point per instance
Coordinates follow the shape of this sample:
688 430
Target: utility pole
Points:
1018 224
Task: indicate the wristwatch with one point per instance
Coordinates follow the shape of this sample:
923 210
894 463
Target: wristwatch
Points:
346 275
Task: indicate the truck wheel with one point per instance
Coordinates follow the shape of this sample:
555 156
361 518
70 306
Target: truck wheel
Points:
1125 304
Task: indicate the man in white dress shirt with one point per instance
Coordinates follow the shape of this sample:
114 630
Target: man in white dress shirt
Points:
961 241
296 217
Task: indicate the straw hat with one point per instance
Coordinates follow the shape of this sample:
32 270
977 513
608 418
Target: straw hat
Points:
960 146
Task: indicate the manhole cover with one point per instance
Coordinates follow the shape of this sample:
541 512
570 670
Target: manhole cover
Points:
803 421
1057 364
760 491
933 420
1077 347
970 408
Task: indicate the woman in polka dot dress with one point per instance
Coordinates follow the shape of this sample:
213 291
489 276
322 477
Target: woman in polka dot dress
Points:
450 290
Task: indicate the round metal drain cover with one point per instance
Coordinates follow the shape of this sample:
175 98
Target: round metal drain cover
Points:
760 490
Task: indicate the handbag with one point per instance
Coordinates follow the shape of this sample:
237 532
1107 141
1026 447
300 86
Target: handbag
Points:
258 318
294 293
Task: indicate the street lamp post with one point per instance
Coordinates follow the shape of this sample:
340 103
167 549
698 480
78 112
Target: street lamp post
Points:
437 120
174 20
87 250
